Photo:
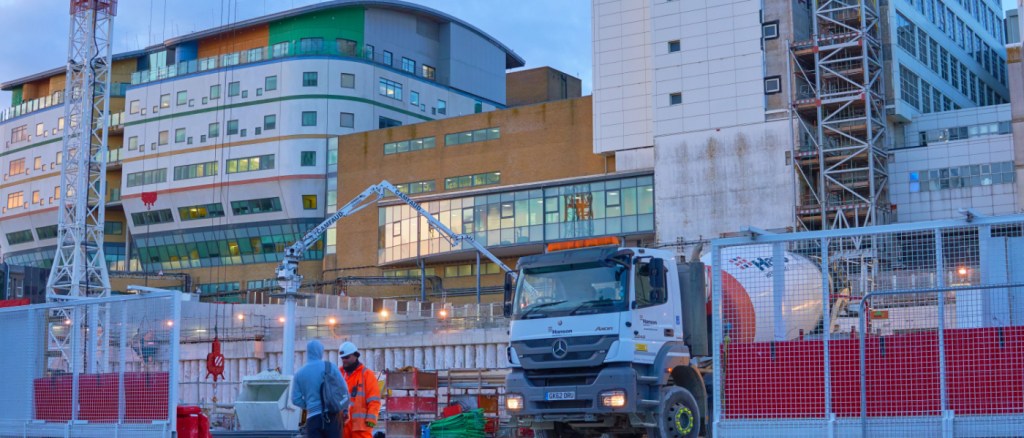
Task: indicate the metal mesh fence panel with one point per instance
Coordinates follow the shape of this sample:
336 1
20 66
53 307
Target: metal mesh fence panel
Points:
898 330
98 367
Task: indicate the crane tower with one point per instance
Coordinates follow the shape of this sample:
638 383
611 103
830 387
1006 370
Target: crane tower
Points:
79 266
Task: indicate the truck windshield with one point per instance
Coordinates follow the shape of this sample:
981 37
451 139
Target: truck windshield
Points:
576 289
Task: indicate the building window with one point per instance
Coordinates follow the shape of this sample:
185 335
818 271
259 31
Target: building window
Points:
133 107
255 206
179 135
387 57
772 85
390 89
163 137
963 177
769 30
15 200
19 237
308 158
348 120
346 47
368 52
152 217
673 46
16 167
348 80
280 49
270 122
472 136
191 171
36 198
384 122
213 130
165 101
113 228
480 179
428 72
234 88
214 92
270 83
909 87
309 118
146 177
442 107
250 164
311 45
675 98
204 211
182 98
905 33
415 144
309 202
309 79
19 134
38 163
40 129
414 98
232 127
414 188
408 65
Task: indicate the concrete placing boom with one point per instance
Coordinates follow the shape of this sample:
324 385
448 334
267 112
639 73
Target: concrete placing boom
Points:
288 276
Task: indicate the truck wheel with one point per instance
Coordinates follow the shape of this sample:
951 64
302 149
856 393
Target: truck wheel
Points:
678 416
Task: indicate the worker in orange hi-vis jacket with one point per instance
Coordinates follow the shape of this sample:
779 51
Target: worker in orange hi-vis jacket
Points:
365 393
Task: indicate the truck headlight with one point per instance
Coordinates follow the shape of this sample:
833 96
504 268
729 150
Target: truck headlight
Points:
613 399
513 402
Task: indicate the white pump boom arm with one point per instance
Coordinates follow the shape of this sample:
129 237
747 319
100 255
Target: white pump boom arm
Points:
287 273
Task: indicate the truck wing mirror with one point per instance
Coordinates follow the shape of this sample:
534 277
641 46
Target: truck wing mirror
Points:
657 271
510 286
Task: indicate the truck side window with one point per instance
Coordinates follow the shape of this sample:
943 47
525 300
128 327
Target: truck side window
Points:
646 295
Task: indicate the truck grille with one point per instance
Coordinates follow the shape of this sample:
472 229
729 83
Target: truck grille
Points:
562 377
581 351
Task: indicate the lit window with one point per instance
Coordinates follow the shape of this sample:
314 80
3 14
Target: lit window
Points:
309 202
165 101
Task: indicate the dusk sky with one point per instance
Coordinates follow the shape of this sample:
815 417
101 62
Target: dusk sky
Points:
553 33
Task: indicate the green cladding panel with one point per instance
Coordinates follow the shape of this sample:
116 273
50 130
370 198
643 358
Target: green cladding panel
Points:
330 24
16 96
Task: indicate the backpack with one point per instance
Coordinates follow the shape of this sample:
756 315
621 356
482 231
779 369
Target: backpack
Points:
333 393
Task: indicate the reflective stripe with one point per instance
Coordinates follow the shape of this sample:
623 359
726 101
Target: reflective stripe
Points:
361 416
372 399
358 394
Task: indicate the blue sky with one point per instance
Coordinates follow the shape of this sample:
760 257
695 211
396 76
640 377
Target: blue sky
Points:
553 33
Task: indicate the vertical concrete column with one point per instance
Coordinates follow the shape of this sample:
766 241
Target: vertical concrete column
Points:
460 356
389 358
418 358
428 358
470 356
449 357
410 355
481 356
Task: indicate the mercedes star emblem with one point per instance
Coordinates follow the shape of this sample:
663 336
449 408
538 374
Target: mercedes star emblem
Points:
560 349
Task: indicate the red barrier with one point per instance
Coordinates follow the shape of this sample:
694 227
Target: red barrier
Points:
146 397
786 379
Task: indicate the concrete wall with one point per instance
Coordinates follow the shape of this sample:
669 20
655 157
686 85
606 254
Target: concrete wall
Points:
1016 76
542 84
720 181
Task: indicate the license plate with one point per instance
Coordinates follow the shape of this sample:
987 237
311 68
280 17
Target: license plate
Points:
561 395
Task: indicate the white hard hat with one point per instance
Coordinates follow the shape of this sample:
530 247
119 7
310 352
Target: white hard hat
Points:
346 349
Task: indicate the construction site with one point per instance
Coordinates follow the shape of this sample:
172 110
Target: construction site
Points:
727 239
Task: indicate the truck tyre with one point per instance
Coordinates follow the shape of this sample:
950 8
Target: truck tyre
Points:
678 416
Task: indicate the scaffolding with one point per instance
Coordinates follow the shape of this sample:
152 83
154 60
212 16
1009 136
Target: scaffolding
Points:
839 102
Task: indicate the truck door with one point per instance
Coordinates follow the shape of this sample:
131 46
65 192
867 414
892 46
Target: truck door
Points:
653 320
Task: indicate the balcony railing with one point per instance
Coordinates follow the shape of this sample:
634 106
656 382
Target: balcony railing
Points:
117 89
279 51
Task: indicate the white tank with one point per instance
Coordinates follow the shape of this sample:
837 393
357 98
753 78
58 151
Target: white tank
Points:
749 301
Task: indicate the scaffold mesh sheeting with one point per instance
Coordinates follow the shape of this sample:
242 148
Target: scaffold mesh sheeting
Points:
896 330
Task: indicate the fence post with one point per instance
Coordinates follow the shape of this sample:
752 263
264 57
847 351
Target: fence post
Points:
940 282
76 332
778 289
122 404
173 367
826 333
717 333
862 353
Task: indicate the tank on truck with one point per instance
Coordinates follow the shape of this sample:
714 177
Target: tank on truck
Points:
288 276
